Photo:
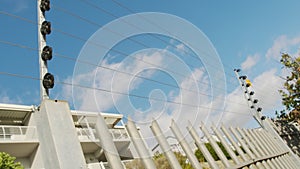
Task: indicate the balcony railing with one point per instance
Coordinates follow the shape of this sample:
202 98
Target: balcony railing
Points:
101 165
18 133
86 134
90 134
119 134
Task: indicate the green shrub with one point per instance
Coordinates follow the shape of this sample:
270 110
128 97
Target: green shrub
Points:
201 157
8 162
162 163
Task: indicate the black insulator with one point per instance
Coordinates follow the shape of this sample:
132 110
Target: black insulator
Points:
263 117
48 81
252 107
255 101
251 93
248 84
246 92
46 28
45 5
46 53
259 109
237 70
243 77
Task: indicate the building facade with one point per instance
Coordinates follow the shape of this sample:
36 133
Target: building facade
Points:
37 135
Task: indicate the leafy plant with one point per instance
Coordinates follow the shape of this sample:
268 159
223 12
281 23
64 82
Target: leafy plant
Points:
201 157
291 88
8 162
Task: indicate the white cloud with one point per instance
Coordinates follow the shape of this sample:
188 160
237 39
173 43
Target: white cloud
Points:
98 97
18 6
181 48
5 98
282 44
21 6
181 113
250 62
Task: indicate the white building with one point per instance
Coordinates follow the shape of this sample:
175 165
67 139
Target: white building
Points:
32 135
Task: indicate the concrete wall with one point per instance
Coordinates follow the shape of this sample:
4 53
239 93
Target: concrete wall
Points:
36 159
25 162
59 143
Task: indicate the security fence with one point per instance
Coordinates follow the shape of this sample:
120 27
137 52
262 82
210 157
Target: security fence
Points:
247 148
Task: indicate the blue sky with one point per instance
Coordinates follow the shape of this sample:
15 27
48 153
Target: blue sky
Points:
246 34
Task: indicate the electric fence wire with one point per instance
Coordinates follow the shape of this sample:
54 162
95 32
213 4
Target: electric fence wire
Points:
153 23
116 70
102 10
97 44
111 14
102 46
120 93
85 62
135 41
93 5
84 39
74 36
104 90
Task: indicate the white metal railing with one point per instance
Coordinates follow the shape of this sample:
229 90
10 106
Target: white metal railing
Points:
90 134
119 134
86 134
17 133
101 165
